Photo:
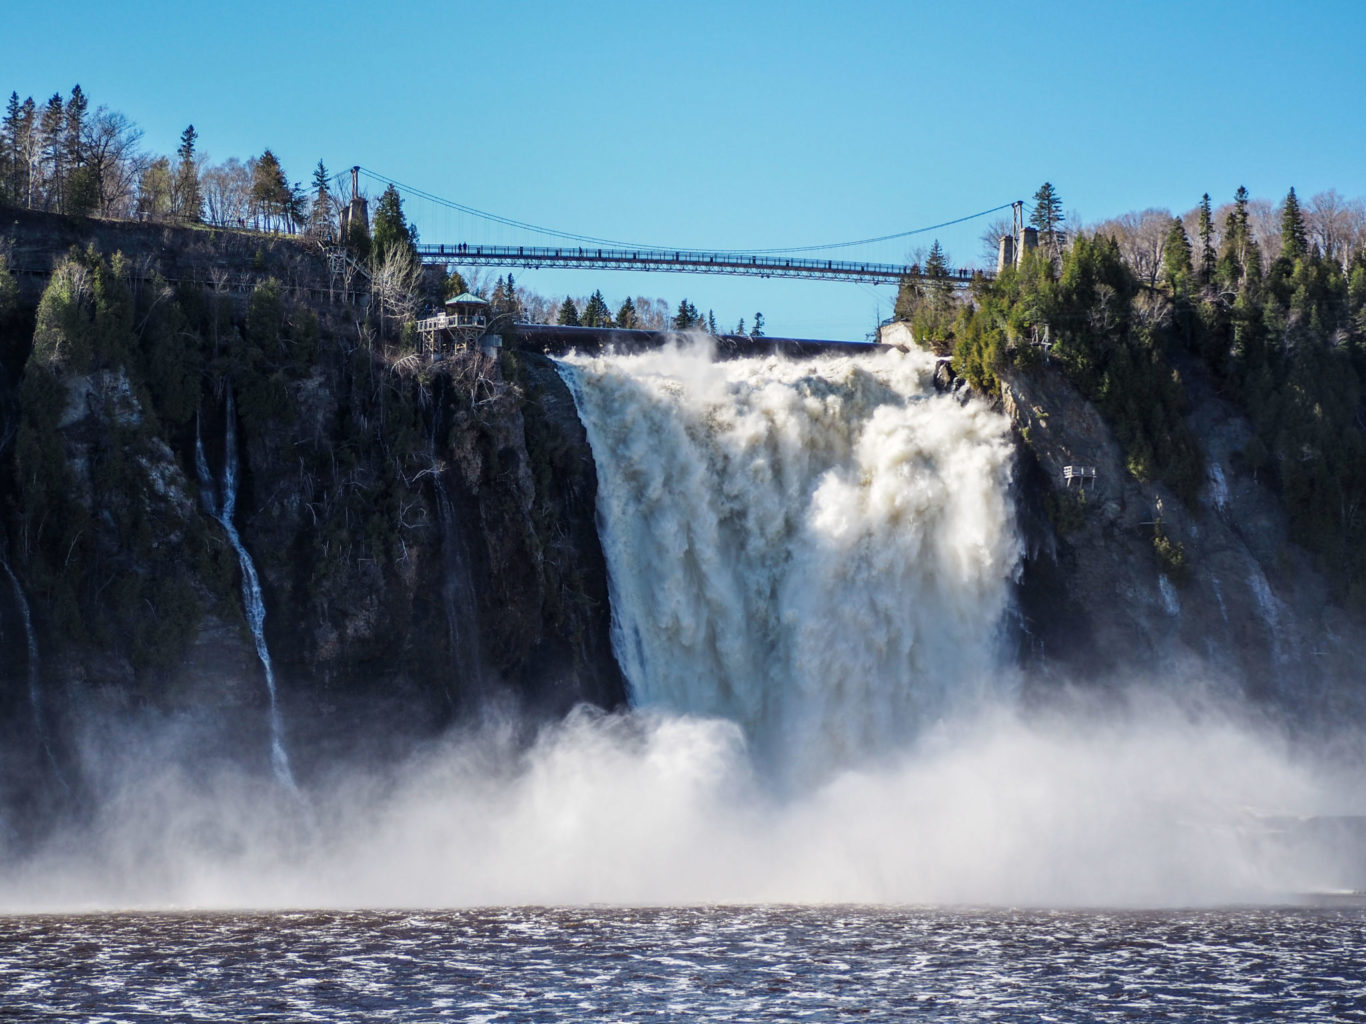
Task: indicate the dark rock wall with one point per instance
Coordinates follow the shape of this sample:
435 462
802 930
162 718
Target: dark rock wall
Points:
424 532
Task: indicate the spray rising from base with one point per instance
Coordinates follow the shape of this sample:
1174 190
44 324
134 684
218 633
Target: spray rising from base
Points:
653 808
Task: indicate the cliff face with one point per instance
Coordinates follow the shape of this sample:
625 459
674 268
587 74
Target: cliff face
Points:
423 532
1124 580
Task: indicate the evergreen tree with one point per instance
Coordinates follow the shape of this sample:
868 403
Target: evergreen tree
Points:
711 322
188 202
569 314
11 163
154 191
1047 217
627 316
504 300
740 327
1176 258
595 312
82 183
322 212
758 331
1208 256
1240 260
686 316
53 148
76 107
1294 238
455 285
389 231
271 196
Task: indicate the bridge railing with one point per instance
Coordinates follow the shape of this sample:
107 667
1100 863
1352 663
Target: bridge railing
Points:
675 259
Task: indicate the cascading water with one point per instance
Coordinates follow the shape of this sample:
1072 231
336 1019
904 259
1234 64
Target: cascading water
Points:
820 550
35 696
35 692
222 507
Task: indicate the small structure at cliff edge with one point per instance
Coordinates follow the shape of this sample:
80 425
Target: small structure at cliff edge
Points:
462 324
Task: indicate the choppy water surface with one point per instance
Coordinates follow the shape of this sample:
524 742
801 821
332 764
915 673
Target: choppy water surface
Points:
688 964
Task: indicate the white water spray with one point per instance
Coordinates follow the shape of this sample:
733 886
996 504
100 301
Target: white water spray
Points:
222 507
818 550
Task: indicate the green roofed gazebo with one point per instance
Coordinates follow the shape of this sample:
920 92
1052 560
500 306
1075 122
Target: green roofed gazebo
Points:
467 310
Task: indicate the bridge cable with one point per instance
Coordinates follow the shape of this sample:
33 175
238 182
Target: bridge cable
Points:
593 239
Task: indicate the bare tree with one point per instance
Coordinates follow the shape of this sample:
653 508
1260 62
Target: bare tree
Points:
111 150
1266 228
991 239
1140 237
1335 224
227 193
395 280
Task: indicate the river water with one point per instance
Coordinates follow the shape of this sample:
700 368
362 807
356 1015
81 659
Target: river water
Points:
832 963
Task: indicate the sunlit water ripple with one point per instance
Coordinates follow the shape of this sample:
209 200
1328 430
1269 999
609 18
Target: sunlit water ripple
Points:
688 964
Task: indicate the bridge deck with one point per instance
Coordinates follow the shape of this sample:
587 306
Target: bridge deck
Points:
680 260
555 340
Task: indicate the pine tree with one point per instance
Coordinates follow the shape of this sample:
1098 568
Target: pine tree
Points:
271 195
455 285
76 107
322 212
11 151
1047 217
1294 238
1240 261
595 312
504 298
188 202
711 322
50 131
389 231
1208 256
740 327
1176 258
758 331
627 316
686 316
154 191
569 314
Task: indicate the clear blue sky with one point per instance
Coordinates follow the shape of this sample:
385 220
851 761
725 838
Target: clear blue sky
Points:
738 124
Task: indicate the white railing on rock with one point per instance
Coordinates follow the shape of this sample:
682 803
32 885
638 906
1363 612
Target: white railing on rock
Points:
444 321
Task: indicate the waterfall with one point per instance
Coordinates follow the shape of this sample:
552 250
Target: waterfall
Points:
222 504
34 666
819 550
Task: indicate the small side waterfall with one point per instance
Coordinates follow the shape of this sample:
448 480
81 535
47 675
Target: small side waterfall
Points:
35 695
222 506
35 690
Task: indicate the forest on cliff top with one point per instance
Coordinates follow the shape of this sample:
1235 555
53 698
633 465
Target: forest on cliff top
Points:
1270 305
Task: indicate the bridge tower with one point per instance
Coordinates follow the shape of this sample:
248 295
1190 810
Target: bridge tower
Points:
1021 239
355 215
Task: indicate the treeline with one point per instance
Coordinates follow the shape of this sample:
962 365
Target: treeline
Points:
1276 319
512 301
63 157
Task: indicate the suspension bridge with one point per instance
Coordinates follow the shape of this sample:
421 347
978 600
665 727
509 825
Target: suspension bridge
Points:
562 249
